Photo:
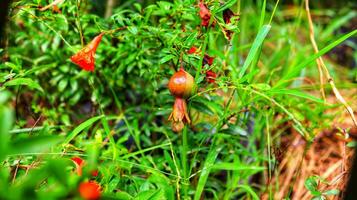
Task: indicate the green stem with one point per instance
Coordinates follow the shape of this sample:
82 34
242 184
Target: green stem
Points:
80 30
105 122
184 161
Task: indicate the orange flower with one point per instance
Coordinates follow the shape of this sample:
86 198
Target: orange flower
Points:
205 14
89 190
85 57
179 115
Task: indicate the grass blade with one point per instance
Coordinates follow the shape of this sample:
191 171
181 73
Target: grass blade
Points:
295 70
211 158
296 93
263 32
233 167
81 127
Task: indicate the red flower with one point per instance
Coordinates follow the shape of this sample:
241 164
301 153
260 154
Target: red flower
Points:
211 76
179 115
89 190
205 14
207 60
85 57
80 163
192 50
77 160
227 15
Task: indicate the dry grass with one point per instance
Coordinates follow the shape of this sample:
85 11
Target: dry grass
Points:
327 157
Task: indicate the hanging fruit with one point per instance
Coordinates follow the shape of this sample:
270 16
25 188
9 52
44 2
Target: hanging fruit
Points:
181 86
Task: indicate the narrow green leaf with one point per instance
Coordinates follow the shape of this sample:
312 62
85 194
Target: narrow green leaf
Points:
211 158
337 23
34 144
295 70
166 59
296 93
250 191
228 4
24 81
331 192
261 86
6 120
231 166
263 32
81 127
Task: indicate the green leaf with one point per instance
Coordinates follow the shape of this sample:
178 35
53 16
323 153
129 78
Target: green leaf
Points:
163 183
263 32
81 127
250 191
6 121
166 59
36 144
62 85
191 39
228 4
211 158
331 192
311 185
231 166
337 23
150 195
57 168
12 66
296 69
24 81
261 86
121 195
296 93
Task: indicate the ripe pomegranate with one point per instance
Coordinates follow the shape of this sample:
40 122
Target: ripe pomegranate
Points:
182 84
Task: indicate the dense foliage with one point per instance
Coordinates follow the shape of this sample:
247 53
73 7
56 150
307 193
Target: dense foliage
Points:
256 79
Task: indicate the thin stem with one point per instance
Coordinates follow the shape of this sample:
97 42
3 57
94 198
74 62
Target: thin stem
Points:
318 61
321 64
79 22
184 160
269 156
52 29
